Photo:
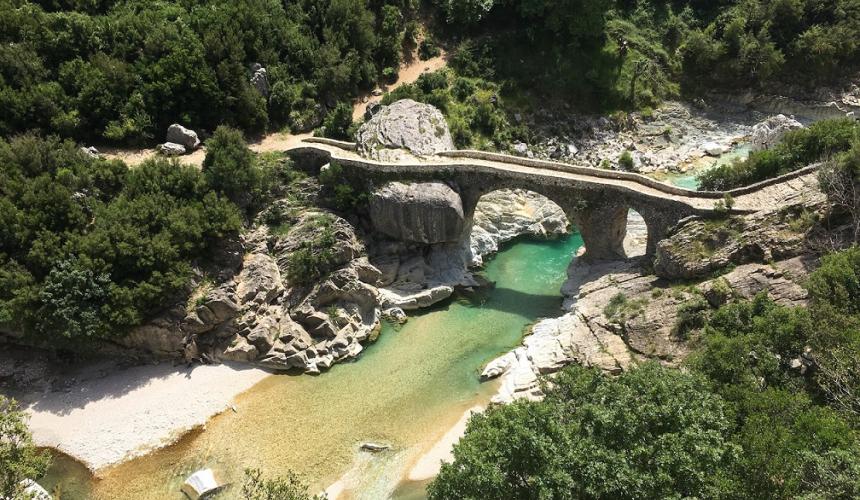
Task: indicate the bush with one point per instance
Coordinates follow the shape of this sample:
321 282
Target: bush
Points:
256 487
797 149
229 166
19 459
472 107
577 443
123 72
625 161
428 49
314 257
338 122
95 248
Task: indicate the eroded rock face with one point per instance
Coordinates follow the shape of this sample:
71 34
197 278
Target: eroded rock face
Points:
645 322
768 133
405 126
430 212
699 248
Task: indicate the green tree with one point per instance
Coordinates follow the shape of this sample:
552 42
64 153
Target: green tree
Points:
338 121
72 298
229 166
651 433
19 459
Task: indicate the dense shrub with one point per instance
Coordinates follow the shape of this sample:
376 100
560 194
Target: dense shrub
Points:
257 487
651 433
744 420
229 166
314 257
472 107
88 247
338 122
19 459
797 149
614 53
125 71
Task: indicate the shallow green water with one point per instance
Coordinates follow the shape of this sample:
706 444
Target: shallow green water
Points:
690 180
407 389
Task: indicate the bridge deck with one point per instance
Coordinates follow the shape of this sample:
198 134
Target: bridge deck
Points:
767 196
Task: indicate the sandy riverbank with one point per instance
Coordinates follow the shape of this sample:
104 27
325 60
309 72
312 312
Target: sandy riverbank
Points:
429 465
130 412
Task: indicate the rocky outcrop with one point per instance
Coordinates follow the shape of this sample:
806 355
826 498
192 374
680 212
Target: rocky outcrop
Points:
91 152
768 133
187 138
257 316
405 126
618 312
430 212
698 248
260 79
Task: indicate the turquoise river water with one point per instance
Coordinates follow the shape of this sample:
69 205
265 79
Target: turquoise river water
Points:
407 389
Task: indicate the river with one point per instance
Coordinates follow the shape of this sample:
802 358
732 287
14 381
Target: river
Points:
406 389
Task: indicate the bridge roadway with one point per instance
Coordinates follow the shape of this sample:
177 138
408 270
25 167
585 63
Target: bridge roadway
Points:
596 200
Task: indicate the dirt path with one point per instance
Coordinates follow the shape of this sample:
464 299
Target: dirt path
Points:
280 141
409 72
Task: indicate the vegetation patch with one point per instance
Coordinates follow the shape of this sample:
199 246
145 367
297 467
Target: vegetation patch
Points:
797 149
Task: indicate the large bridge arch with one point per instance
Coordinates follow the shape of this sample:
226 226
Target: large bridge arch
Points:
598 205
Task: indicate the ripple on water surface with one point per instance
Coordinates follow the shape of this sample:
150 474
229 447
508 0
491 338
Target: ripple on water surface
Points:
406 389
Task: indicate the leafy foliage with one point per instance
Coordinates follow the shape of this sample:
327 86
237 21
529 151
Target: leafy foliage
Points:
797 149
88 247
229 166
651 433
126 70
618 53
19 460
256 487
744 420
472 107
315 256
338 123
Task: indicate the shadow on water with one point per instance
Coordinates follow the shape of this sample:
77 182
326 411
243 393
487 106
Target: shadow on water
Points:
510 301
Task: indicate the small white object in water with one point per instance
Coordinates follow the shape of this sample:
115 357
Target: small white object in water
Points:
200 483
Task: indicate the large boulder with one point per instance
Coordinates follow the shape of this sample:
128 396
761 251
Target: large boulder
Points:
404 126
260 80
768 133
429 212
178 134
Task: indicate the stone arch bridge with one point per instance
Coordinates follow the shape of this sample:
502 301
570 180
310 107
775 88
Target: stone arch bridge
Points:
596 201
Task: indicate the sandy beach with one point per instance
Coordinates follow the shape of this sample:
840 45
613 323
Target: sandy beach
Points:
130 412
428 466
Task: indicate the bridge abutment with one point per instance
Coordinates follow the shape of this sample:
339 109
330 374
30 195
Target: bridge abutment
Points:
603 229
